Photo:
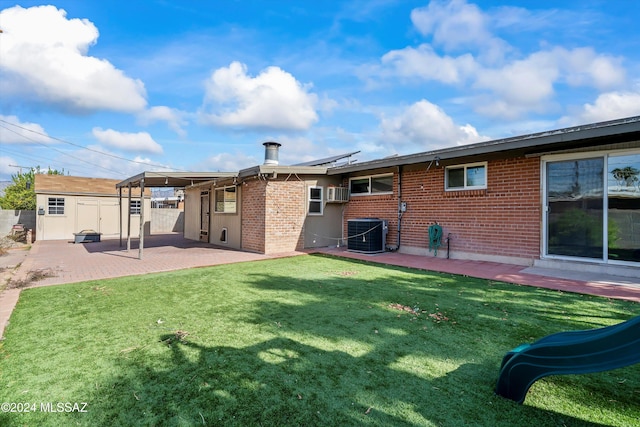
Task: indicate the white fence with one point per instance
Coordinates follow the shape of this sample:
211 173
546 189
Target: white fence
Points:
167 220
162 220
9 218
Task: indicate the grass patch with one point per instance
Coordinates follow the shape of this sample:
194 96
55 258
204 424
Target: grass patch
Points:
310 340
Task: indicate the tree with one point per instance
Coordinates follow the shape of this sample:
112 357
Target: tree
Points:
21 195
627 176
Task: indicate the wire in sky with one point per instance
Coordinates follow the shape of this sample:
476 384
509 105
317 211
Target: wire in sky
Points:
78 146
59 151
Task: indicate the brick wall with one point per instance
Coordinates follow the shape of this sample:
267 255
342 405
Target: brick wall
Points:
285 212
253 215
273 214
502 221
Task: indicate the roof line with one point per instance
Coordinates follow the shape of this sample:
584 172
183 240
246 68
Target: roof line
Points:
594 130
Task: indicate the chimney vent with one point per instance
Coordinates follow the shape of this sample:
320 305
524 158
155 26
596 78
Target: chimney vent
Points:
271 152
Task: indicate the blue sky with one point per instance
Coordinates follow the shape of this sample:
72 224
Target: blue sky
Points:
113 88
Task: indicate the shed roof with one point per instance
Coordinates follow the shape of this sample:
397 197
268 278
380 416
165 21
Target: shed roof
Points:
65 184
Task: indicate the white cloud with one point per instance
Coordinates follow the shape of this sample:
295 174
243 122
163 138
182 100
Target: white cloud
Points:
44 56
99 161
499 82
608 106
423 62
135 142
426 126
5 170
528 85
147 164
451 23
584 67
274 99
455 25
228 162
174 118
16 132
517 88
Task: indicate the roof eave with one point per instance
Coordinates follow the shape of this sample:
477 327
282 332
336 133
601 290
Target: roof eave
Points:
172 179
278 170
529 142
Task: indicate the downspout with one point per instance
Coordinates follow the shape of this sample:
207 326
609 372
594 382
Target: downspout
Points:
128 218
400 211
120 216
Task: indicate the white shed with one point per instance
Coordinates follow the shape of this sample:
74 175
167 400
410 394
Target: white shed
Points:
69 204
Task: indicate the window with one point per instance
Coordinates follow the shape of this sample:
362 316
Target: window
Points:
315 201
375 184
225 200
592 205
134 207
56 206
466 177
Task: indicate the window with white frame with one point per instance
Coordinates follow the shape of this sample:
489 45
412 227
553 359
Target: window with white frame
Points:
466 177
55 205
225 200
371 185
315 201
134 207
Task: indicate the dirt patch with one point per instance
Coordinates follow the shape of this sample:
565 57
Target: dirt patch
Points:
31 277
345 273
437 316
10 242
406 308
15 241
177 336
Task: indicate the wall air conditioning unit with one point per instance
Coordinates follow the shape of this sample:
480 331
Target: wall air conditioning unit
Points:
367 235
337 194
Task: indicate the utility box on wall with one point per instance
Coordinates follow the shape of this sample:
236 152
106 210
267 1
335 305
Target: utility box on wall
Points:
367 235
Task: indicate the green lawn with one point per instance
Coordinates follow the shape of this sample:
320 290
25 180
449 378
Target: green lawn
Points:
310 340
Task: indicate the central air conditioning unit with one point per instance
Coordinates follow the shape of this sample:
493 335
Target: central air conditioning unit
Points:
367 235
337 194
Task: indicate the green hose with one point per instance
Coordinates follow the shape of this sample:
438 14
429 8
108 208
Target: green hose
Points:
435 238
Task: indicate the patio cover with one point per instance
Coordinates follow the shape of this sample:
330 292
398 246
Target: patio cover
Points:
159 179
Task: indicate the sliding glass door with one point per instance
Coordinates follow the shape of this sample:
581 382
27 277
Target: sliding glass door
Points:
582 219
623 195
575 207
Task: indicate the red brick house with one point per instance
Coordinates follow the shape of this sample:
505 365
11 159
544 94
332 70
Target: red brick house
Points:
569 198
268 208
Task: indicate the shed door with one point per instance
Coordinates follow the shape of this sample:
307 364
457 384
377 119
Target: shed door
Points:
87 216
109 218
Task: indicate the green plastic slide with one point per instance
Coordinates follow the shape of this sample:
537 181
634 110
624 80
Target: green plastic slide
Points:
573 352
